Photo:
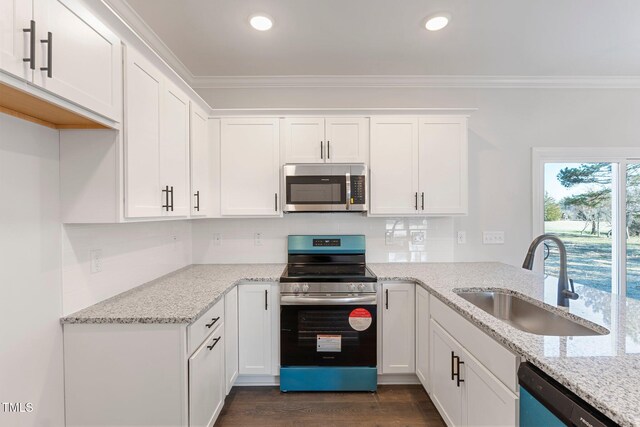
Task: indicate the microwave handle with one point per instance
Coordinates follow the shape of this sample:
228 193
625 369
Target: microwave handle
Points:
348 190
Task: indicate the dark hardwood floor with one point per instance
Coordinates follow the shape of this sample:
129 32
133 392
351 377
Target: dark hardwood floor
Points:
397 405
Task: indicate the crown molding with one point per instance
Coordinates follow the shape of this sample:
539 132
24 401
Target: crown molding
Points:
142 30
418 81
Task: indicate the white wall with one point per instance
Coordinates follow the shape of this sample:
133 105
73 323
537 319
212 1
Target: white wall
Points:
501 133
132 254
388 239
30 280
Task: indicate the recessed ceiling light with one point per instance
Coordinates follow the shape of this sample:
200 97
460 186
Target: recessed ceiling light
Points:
261 22
437 22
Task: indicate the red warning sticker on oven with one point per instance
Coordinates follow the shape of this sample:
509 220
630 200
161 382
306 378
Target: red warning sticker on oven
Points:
360 319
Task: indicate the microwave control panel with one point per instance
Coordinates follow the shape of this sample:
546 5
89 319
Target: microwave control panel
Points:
357 190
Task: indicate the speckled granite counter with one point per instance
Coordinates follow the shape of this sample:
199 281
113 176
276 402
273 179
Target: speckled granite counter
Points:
178 297
603 370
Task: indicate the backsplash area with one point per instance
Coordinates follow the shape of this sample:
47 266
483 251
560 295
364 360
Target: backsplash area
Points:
263 240
102 260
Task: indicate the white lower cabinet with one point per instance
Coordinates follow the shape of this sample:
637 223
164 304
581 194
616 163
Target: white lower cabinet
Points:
465 391
231 336
146 374
445 392
422 337
258 329
207 380
398 323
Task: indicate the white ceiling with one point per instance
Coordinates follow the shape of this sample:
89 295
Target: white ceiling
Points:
386 37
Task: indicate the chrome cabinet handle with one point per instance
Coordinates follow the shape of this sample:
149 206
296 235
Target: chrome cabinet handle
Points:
321 150
276 202
215 341
213 322
386 299
266 299
197 196
416 203
49 67
423 200
32 44
165 191
328 150
171 191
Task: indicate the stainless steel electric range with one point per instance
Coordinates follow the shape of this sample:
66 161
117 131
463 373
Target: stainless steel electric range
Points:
328 322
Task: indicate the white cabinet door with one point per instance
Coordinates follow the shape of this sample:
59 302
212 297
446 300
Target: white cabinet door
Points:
250 167
206 381
174 150
15 44
85 61
142 137
255 329
394 165
303 139
445 392
231 335
487 402
422 336
202 164
443 165
347 140
398 323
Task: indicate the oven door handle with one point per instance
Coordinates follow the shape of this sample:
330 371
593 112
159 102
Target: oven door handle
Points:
306 300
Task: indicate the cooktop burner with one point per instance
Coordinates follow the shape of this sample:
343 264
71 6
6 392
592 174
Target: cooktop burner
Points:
327 259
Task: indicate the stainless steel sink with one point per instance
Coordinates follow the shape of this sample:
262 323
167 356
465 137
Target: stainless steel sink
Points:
528 317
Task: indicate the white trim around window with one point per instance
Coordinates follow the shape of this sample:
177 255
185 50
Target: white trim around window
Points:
620 157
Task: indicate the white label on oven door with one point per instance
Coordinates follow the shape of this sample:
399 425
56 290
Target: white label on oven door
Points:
360 319
329 343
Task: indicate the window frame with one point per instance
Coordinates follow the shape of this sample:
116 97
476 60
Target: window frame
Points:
620 156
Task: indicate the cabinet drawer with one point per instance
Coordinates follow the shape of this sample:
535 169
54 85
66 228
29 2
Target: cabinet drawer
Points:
199 330
496 358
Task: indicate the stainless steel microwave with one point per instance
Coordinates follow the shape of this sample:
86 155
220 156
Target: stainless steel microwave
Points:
325 187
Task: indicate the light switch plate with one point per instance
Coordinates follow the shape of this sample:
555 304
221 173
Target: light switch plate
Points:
493 237
95 260
257 239
462 237
217 239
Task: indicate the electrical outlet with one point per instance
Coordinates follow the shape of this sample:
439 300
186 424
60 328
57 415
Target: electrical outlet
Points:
257 239
417 237
217 239
493 237
462 237
95 260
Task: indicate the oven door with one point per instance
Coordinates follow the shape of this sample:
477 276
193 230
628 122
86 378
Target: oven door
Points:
328 335
316 193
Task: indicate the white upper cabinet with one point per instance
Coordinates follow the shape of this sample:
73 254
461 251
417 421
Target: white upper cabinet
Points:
174 150
80 58
142 136
419 166
443 165
325 140
15 43
303 139
398 326
394 165
202 163
156 143
250 167
65 50
347 139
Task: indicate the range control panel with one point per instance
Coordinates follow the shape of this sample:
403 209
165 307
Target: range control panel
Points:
326 242
358 190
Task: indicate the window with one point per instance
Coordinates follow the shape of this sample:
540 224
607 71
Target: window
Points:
590 198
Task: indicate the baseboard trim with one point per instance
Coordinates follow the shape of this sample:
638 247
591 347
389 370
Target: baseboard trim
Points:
274 380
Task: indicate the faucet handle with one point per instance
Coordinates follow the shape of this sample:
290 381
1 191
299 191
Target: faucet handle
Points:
571 294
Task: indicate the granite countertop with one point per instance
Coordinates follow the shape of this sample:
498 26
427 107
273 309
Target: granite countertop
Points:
604 369
178 297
